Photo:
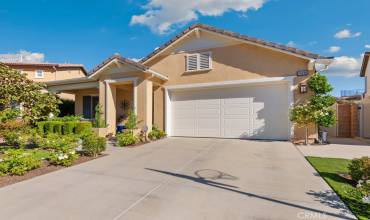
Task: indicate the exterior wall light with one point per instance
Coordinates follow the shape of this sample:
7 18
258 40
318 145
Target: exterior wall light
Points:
302 87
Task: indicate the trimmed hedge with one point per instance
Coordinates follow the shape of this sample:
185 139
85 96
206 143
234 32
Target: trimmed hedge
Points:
83 126
69 127
59 127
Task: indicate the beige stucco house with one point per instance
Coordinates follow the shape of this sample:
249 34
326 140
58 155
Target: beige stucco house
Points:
365 116
45 72
204 82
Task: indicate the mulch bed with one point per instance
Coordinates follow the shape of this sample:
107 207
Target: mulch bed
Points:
45 168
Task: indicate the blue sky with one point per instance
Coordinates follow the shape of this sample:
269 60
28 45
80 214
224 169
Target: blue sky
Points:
89 31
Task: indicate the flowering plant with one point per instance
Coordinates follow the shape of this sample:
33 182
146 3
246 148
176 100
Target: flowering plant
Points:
64 156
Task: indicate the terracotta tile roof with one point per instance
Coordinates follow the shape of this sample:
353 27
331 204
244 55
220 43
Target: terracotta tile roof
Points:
56 65
120 58
238 36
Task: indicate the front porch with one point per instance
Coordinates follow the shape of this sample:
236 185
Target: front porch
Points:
117 88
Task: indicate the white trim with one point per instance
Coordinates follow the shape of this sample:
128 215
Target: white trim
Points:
116 60
169 89
132 79
291 105
157 74
42 74
110 62
59 88
230 83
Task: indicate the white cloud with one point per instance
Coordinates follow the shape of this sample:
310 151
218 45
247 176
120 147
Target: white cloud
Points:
135 59
291 44
162 16
345 33
367 46
23 56
334 49
345 66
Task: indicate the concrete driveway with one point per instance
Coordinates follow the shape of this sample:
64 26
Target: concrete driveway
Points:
180 178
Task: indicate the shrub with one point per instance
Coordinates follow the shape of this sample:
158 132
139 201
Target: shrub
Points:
41 127
83 126
12 125
126 138
56 142
156 133
359 169
64 156
57 127
11 138
18 162
9 114
49 127
69 126
67 118
93 145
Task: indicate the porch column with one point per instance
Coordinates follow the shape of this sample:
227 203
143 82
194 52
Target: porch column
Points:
149 104
110 102
102 99
143 91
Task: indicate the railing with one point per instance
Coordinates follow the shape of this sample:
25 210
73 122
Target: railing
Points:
353 92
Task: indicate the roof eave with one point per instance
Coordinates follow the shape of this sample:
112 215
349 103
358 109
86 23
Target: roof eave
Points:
365 62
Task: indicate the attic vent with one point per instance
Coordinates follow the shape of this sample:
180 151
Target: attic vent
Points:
198 61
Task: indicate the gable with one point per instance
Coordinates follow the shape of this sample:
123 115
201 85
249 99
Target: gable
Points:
199 29
202 41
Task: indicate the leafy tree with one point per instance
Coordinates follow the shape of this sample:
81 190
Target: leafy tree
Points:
322 101
15 87
318 109
303 115
319 84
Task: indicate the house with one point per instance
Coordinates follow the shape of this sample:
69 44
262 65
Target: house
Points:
204 82
44 72
365 116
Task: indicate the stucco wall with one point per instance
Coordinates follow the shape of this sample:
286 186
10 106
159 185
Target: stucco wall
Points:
50 73
366 119
158 107
79 97
234 62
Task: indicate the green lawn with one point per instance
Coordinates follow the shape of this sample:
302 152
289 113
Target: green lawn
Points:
328 169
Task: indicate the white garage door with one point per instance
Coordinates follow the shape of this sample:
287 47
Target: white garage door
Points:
256 112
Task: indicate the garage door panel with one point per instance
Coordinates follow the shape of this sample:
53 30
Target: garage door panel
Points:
260 112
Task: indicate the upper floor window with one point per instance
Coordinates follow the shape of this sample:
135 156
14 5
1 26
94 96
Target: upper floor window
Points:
39 74
198 61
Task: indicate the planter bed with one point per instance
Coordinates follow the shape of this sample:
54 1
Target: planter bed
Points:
45 168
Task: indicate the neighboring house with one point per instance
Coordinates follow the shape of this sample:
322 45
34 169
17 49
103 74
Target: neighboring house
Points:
365 119
204 82
45 72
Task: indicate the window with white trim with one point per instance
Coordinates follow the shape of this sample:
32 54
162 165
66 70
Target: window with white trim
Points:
39 74
198 61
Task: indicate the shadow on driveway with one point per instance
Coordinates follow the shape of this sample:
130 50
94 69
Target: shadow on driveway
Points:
231 188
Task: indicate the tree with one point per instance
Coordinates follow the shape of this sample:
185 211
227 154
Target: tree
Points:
318 109
303 115
322 101
15 87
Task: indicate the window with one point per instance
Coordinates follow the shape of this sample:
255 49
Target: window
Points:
198 61
39 74
89 104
